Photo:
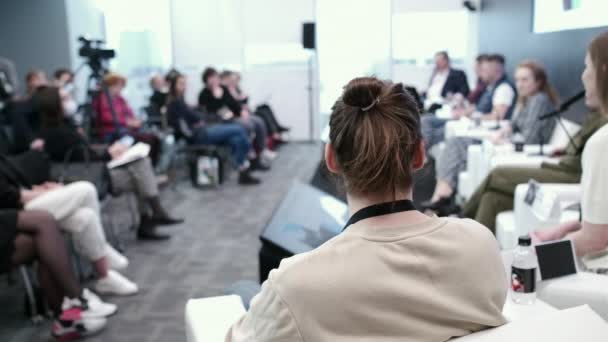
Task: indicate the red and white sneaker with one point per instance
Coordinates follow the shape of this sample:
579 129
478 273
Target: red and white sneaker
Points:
71 325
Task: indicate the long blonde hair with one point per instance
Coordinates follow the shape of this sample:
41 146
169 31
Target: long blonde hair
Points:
540 76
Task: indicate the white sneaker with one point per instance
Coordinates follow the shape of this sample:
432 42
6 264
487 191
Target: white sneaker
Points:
115 283
96 307
72 323
269 155
116 260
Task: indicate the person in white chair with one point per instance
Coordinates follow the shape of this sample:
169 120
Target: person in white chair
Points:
591 235
536 97
394 274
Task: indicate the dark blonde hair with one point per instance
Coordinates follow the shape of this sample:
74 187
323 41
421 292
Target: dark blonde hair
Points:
598 52
374 132
112 79
540 76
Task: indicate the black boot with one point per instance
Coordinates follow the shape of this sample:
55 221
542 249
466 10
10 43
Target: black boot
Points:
160 215
245 178
258 165
147 231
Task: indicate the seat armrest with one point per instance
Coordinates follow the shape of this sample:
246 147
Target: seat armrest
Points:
209 319
577 289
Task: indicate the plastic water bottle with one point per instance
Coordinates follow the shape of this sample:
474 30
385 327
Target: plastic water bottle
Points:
523 272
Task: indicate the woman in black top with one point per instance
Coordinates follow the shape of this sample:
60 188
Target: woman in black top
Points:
190 125
231 80
216 98
138 177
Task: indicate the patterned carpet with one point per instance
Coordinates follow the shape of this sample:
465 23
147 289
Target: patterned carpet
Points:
217 246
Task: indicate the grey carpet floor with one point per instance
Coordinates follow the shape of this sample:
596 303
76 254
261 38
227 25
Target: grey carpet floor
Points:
217 246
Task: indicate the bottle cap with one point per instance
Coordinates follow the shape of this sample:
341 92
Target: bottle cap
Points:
525 240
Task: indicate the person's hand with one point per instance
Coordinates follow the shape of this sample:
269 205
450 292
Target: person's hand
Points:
217 92
81 131
497 138
51 185
245 113
29 194
117 149
37 144
134 123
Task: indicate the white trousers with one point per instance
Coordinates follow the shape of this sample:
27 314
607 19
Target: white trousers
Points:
76 208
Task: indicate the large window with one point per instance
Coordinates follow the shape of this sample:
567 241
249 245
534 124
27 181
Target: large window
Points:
353 40
140 31
417 36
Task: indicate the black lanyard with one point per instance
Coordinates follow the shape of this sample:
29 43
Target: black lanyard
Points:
379 210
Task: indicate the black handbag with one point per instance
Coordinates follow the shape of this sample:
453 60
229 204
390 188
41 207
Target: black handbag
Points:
95 172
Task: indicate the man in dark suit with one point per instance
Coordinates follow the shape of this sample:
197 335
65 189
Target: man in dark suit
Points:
445 80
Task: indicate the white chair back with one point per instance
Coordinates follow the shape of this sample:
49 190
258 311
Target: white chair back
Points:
559 136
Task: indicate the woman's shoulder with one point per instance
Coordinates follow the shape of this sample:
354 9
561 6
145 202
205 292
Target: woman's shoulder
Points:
471 229
540 97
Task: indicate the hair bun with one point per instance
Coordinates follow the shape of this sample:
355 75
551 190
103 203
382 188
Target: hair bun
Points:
362 92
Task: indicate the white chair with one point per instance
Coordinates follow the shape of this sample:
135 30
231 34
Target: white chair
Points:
208 319
525 218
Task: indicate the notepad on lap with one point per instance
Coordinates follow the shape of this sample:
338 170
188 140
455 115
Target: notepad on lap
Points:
135 152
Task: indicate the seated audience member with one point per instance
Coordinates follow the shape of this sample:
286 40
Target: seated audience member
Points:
591 235
126 122
495 194
536 97
480 84
34 79
9 82
446 81
216 98
28 236
496 103
231 80
75 206
189 124
24 120
138 177
158 99
329 294
64 80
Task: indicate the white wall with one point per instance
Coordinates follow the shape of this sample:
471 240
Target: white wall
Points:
205 32
219 33
354 40
84 19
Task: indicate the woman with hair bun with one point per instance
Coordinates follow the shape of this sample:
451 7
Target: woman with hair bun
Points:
393 274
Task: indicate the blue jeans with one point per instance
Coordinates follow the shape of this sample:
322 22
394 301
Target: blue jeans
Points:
230 134
433 129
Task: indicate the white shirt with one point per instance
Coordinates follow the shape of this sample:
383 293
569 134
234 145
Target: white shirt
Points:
413 283
594 181
437 83
503 95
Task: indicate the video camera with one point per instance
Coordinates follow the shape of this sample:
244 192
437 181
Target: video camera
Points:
96 55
